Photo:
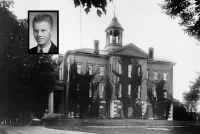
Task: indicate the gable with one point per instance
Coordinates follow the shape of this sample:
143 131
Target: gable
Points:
131 50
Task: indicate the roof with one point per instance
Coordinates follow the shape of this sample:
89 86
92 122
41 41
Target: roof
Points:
161 61
88 51
131 49
114 23
127 50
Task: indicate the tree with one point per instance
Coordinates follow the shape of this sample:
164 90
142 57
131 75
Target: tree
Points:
134 99
179 111
80 85
25 80
188 11
156 96
87 4
192 97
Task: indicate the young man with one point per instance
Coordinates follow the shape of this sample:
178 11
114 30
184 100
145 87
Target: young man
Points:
42 30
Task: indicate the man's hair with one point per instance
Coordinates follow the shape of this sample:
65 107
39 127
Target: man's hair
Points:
43 17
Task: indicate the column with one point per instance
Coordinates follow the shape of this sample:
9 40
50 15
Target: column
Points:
112 109
51 102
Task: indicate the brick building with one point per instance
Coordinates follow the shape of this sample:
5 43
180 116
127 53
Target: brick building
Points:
126 72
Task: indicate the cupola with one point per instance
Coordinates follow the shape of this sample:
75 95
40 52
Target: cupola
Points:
114 34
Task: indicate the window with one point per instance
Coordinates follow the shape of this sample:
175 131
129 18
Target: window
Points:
139 71
78 89
90 93
165 111
119 110
154 93
68 63
68 67
102 69
90 69
165 76
120 91
100 109
61 74
110 69
101 88
139 92
110 38
129 70
120 69
68 60
147 74
155 75
165 94
129 90
79 68
90 90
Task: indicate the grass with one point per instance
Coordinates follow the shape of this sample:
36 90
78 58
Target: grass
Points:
112 126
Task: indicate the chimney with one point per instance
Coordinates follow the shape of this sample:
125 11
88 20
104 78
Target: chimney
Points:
96 46
151 52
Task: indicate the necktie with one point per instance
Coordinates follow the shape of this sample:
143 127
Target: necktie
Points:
41 51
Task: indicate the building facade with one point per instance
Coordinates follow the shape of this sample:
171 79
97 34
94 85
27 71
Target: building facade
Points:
127 79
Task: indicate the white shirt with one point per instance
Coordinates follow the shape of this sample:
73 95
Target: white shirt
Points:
45 50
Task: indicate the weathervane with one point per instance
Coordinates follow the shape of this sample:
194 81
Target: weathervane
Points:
114 10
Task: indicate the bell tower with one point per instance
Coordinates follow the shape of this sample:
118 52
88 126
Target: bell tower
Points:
114 34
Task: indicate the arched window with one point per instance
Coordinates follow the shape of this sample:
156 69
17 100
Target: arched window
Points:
110 37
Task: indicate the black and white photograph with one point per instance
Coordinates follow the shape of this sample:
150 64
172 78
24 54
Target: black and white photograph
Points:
43 32
99 67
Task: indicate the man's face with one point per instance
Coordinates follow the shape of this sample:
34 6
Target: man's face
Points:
42 32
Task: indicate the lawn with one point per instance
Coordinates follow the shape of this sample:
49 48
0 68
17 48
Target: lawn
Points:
114 126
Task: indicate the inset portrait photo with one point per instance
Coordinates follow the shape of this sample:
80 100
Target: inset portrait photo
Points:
43 32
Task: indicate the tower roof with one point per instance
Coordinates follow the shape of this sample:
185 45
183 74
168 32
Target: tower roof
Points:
114 23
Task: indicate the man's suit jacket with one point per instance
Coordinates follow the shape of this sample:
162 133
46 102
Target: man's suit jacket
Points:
53 49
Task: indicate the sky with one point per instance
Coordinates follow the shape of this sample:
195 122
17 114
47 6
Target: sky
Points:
144 23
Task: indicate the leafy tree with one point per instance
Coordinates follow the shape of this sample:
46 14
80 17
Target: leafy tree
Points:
87 4
191 100
25 80
179 111
192 97
156 89
88 106
134 100
188 11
